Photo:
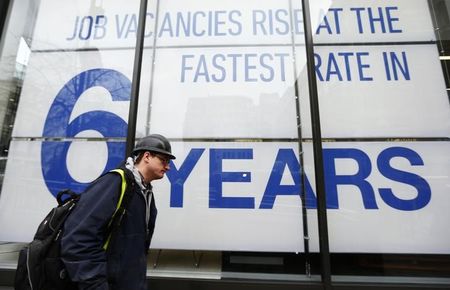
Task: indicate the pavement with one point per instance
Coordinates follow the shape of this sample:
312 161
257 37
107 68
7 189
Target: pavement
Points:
185 264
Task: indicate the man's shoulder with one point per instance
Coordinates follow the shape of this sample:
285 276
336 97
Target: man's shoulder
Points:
127 174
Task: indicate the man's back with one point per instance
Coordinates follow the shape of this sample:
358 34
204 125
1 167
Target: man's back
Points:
123 265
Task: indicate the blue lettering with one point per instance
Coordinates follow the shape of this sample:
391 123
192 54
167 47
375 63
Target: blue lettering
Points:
325 23
259 17
282 57
379 16
286 157
358 17
391 20
58 124
234 57
333 67
128 25
177 177
238 24
218 177
373 19
346 56
362 66
120 29
268 67
210 21
332 179
100 30
284 24
336 18
74 34
394 64
317 65
184 66
88 20
195 25
202 69
132 26
423 188
185 25
219 23
166 26
219 67
298 21
149 32
270 22
249 67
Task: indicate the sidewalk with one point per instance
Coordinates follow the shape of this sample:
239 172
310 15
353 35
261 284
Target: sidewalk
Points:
8 255
160 264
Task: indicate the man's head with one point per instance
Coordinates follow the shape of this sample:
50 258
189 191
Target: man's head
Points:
153 154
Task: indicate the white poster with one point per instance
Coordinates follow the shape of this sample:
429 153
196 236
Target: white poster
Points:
222 81
356 21
245 196
112 25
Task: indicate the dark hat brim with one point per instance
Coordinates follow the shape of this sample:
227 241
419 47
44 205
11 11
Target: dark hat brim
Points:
137 150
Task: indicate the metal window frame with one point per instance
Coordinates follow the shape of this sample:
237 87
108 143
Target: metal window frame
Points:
315 121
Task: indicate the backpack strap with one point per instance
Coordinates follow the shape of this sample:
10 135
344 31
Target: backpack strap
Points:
122 204
123 188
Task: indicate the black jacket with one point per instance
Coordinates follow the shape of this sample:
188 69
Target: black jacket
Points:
124 264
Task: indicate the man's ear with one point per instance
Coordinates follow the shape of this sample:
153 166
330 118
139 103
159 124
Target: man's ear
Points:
148 154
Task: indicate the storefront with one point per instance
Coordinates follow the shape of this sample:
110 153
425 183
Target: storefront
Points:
312 138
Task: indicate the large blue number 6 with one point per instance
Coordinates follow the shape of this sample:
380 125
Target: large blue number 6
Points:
54 152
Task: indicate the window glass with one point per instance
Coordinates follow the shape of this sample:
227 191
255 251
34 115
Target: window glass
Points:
226 82
384 107
64 100
228 86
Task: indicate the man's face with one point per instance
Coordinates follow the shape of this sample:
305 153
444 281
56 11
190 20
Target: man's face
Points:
156 166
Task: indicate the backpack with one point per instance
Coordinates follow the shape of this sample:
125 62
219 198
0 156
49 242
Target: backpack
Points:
39 266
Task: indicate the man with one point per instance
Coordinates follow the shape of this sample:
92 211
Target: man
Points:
123 265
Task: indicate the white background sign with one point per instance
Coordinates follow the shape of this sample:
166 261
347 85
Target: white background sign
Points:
197 224
227 70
